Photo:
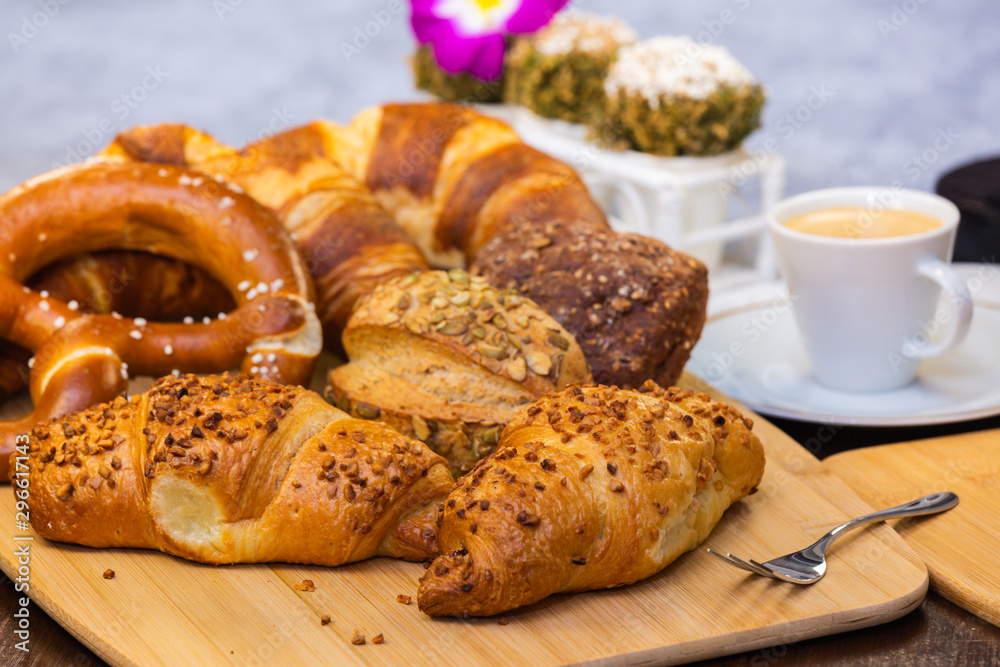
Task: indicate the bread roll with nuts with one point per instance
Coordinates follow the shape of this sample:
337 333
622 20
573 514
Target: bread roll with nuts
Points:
228 469
445 358
589 488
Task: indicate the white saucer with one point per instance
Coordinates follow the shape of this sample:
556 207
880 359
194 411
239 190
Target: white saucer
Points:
751 350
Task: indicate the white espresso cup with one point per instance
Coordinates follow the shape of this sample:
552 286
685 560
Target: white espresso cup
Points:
867 308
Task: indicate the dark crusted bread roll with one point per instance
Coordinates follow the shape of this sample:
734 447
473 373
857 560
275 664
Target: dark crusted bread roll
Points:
636 306
589 488
226 469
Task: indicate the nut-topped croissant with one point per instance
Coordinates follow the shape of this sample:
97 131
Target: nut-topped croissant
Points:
227 469
589 488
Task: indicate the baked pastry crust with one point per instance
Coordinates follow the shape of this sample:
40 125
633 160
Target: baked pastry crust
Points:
589 488
226 469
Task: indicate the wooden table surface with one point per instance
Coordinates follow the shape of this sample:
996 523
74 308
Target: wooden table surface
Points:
936 633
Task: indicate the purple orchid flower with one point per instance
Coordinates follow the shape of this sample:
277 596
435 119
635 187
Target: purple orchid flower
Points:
468 35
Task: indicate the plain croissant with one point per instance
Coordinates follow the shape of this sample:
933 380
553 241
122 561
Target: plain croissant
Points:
589 488
226 469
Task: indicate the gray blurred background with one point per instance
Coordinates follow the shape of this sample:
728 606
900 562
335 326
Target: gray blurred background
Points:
860 91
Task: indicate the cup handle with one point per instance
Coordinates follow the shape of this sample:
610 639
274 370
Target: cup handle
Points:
961 306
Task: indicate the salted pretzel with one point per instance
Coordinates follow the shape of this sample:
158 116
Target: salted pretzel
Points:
81 360
137 284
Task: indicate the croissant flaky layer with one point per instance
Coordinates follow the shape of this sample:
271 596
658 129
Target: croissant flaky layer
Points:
589 488
226 469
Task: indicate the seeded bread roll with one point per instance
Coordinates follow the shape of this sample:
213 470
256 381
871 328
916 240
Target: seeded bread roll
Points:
589 488
232 470
636 306
447 359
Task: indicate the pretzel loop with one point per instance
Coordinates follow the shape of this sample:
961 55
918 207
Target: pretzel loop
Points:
81 360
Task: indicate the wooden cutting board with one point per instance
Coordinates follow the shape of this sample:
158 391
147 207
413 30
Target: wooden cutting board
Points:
159 610
962 546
